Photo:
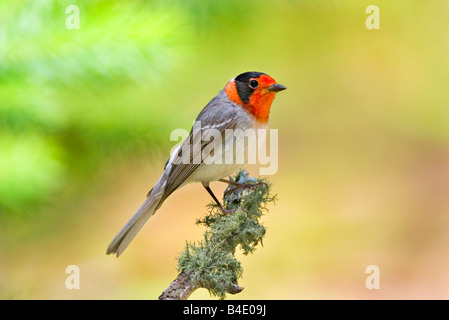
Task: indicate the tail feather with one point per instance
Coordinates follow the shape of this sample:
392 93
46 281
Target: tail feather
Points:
130 230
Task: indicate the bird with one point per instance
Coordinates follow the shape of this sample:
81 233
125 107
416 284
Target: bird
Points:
244 103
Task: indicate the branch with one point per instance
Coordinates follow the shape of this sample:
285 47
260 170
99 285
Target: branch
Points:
182 287
211 263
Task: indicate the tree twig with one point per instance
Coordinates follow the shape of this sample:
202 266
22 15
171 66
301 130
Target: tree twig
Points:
182 287
211 263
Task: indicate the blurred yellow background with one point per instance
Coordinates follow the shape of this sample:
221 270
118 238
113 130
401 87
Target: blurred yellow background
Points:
86 116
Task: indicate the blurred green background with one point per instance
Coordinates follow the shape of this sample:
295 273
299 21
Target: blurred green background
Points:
86 115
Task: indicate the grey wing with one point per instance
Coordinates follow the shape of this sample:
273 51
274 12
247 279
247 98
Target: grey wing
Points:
216 115
179 172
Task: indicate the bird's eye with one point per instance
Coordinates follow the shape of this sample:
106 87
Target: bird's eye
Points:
253 84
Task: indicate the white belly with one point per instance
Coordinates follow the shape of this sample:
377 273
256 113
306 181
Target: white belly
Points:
213 172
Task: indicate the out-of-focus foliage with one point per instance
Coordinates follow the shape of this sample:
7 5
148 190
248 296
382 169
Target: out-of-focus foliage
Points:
69 99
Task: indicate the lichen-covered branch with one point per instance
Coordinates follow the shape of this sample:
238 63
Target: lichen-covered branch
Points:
211 263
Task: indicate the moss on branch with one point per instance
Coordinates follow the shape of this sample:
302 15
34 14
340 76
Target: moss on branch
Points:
211 263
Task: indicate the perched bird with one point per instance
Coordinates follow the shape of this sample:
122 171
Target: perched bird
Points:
243 104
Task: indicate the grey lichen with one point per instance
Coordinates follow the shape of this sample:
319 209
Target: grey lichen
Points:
211 263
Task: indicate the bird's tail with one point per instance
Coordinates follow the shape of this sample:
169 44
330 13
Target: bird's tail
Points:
130 230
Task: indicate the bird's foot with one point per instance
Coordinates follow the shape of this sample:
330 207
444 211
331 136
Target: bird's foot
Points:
241 186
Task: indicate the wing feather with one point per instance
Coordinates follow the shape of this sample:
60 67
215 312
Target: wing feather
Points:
180 172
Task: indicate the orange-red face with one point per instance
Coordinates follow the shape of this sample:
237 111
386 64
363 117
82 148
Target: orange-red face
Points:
255 92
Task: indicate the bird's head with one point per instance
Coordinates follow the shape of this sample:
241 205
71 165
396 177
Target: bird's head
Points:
255 92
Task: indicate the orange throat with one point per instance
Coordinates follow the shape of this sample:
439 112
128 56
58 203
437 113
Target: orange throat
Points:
258 105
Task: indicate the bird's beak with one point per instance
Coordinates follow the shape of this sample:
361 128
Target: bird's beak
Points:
276 87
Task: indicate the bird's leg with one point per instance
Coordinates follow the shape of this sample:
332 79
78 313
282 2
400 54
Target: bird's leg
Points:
225 211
